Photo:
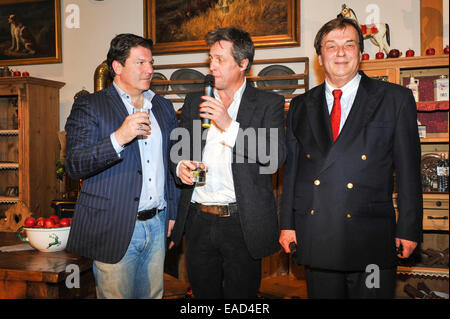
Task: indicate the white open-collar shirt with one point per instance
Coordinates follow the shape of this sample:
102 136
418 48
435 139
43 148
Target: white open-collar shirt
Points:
217 156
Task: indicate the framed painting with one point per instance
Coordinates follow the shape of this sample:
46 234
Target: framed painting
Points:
179 26
30 32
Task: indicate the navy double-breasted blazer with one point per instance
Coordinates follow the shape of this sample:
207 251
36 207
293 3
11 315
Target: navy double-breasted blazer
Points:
338 196
105 212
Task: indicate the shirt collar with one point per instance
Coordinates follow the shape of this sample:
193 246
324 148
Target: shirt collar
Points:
350 86
237 95
148 95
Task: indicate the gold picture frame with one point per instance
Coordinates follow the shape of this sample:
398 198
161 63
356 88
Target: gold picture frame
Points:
34 32
178 26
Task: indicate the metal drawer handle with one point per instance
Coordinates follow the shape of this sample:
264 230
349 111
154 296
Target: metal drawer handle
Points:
438 203
432 217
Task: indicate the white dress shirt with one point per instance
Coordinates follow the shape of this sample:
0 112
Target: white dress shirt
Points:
150 149
348 97
217 156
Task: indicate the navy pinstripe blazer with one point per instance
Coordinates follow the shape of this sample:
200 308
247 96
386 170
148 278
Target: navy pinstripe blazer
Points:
105 212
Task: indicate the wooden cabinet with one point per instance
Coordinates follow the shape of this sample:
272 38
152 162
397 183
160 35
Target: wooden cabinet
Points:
29 122
434 114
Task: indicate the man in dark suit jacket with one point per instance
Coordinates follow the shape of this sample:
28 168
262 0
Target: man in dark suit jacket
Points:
345 139
128 193
231 222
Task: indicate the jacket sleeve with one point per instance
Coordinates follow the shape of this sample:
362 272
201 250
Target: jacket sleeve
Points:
407 157
287 220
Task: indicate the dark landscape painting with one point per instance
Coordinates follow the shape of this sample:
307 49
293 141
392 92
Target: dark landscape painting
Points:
189 20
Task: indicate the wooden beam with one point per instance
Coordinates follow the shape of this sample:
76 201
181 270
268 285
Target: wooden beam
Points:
431 25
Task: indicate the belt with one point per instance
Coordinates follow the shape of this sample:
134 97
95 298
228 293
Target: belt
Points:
148 213
220 210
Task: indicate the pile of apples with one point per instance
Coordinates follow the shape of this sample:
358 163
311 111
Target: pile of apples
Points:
50 222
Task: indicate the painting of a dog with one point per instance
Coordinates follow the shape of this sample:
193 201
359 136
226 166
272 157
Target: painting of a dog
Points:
21 37
30 32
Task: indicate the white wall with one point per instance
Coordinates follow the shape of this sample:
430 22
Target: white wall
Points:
84 48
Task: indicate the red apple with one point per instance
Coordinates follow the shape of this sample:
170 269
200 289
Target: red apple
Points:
394 53
16 73
64 222
55 219
430 51
39 222
446 49
409 53
379 55
29 222
49 223
365 56
25 73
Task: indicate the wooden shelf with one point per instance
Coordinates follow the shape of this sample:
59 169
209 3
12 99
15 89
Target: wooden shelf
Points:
8 200
32 170
423 271
435 196
407 62
9 165
430 106
9 132
434 140
391 68
302 79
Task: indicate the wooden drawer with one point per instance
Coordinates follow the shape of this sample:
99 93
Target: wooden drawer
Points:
435 219
435 201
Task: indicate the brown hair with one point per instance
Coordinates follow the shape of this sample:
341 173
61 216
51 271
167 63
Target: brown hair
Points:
120 48
243 47
337 23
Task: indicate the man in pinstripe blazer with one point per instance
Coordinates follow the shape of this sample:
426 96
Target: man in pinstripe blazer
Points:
128 199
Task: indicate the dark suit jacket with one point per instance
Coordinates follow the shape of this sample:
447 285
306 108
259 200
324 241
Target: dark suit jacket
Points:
347 221
254 192
105 212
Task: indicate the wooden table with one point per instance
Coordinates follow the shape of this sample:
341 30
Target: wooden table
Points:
35 274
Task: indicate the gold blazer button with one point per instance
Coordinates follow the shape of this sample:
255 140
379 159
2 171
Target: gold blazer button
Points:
317 182
349 185
349 216
364 157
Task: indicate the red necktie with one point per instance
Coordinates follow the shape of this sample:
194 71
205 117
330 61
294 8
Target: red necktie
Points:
335 116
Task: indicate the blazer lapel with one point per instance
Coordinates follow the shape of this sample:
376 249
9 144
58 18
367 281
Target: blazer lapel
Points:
319 119
366 102
158 113
122 113
192 108
116 102
247 106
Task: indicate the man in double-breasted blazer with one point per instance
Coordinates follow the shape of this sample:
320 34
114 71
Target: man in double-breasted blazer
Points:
338 182
128 193
231 222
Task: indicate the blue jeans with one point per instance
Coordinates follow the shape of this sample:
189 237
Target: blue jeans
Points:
140 273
